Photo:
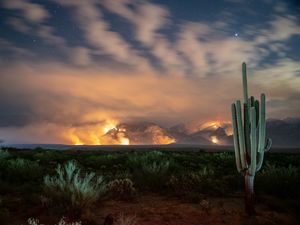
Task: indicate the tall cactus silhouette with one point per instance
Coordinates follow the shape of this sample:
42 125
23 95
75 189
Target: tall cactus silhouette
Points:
247 128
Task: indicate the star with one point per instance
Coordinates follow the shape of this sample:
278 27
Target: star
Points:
236 34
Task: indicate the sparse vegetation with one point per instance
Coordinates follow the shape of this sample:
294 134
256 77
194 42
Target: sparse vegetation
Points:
151 169
279 180
126 220
74 188
4 154
70 188
122 188
20 170
34 221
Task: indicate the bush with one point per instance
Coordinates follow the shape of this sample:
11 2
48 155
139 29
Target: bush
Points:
69 188
4 154
122 188
203 181
151 169
33 221
279 180
125 220
20 170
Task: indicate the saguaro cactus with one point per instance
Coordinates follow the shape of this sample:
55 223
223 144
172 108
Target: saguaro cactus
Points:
247 128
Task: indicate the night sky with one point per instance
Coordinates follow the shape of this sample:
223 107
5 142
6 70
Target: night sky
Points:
76 67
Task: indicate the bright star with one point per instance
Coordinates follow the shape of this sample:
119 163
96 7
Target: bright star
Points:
236 34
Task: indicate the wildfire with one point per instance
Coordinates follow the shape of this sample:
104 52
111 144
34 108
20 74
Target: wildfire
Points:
111 124
96 134
75 140
214 140
124 141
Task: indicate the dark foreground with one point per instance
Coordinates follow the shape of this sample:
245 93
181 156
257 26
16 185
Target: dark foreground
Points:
149 187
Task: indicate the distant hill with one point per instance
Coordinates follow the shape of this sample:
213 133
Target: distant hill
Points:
284 133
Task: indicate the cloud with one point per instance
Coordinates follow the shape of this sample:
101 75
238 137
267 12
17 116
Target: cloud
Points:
97 32
31 20
81 56
67 97
32 12
148 19
281 28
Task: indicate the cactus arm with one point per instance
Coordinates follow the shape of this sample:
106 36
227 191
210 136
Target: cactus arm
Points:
252 101
260 160
252 168
245 84
241 135
268 145
235 138
256 105
262 124
246 110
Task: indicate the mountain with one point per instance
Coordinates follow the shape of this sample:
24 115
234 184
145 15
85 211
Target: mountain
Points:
284 132
142 133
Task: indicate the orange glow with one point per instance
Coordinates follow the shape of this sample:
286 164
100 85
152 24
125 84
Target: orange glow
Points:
164 140
214 140
96 134
75 140
124 141
215 124
110 124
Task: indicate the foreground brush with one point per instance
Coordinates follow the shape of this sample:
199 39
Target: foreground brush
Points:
247 128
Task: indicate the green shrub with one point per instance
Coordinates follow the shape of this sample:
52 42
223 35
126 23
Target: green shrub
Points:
279 180
4 154
72 189
125 220
201 181
151 169
122 189
20 170
34 221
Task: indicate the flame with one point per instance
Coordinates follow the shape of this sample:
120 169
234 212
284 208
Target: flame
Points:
213 124
110 124
95 134
214 140
75 140
124 141
158 136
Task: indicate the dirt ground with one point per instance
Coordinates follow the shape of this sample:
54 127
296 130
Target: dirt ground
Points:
157 210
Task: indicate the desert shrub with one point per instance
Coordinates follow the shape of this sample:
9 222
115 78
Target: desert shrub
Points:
105 161
122 188
20 170
34 221
232 183
151 169
46 156
4 154
125 220
72 189
224 161
201 181
279 180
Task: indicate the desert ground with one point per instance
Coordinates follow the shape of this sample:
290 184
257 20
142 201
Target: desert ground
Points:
165 187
